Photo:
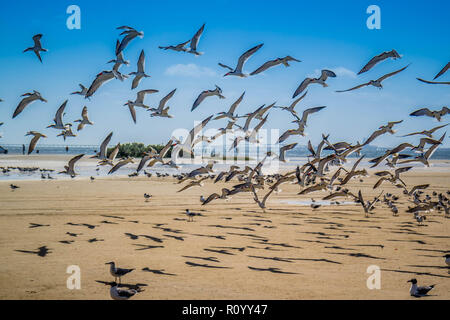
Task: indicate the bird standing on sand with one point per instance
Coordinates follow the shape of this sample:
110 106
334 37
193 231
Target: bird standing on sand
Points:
418 292
37 46
191 215
117 272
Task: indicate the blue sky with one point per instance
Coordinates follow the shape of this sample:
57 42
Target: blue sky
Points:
323 35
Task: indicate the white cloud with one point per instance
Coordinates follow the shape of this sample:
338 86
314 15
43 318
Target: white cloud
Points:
189 70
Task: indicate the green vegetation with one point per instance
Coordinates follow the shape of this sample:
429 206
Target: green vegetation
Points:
136 150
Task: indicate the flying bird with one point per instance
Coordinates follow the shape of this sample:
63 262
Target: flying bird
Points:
70 168
207 93
194 42
273 63
102 154
240 64
36 136
37 46
433 82
375 83
139 102
382 56
179 47
58 118
162 110
140 72
444 70
230 113
101 78
120 164
82 92
438 114
320 80
29 98
84 119
131 33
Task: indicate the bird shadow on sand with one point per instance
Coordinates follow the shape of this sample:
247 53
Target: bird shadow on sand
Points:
136 286
271 269
212 259
357 255
417 273
146 247
193 264
41 251
222 251
156 271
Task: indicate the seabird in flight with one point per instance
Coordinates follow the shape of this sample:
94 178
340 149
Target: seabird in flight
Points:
84 119
230 113
37 46
240 64
131 33
438 114
273 63
100 80
207 93
140 72
29 98
58 118
194 42
36 136
139 102
70 168
320 80
82 92
382 56
162 110
444 70
375 83
102 154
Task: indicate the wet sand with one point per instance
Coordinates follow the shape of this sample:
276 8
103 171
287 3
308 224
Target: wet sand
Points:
289 252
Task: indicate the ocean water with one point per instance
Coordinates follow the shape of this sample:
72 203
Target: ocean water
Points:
56 157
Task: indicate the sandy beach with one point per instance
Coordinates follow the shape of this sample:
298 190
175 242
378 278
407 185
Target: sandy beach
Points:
233 250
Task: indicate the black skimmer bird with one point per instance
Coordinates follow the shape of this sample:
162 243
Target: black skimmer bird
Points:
240 64
382 56
207 93
29 98
58 118
320 80
84 119
375 83
37 46
36 136
438 114
131 33
273 63
140 71
191 215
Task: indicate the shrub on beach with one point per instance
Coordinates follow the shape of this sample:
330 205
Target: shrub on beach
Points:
137 150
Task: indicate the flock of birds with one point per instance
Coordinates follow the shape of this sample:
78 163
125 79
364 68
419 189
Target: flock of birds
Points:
315 175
